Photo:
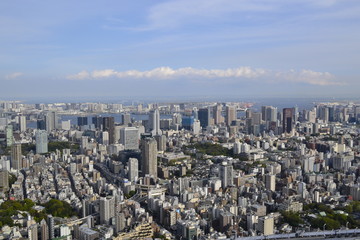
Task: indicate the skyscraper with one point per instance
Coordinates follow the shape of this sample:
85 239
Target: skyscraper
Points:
288 120
226 174
204 117
126 118
51 120
133 165
22 123
9 135
161 142
107 209
44 230
217 114
82 121
149 156
230 114
109 126
129 137
41 138
4 180
16 157
154 121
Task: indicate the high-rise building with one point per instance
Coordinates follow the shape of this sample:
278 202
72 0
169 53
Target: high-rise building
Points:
105 138
161 142
82 121
218 118
22 123
126 118
51 121
288 120
133 173
44 230
51 226
9 135
154 121
41 138
4 180
230 114
97 121
16 157
204 117
149 156
109 126
266 225
129 137
270 182
226 174
107 209
33 232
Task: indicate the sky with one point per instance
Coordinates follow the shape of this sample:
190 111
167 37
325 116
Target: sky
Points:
179 48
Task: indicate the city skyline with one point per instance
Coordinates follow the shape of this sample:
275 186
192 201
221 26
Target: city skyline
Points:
201 48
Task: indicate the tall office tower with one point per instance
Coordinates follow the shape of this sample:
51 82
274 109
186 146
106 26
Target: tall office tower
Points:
4 180
196 127
105 138
311 116
9 135
97 121
226 174
230 114
126 118
44 230
154 121
22 123
133 173
161 142
264 112
248 113
271 114
129 137
51 121
16 157
217 114
270 182
33 232
82 121
332 114
256 118
51 226
149 156
41 138
288 120
107 209
41 124
295 113
204 117
109 126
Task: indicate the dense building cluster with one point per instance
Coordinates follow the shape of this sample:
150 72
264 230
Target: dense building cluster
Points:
177 171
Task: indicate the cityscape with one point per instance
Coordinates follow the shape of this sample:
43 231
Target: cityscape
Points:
193 170
180 120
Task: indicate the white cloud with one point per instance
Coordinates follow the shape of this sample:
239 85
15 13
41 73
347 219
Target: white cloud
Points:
238 74
13 75
79 76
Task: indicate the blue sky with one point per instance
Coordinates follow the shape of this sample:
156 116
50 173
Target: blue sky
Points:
67 49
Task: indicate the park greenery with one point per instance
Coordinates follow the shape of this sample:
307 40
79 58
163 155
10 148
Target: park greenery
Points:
215 150
11 208
333 218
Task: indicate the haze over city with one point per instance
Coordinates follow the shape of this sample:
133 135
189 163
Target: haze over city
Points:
67 49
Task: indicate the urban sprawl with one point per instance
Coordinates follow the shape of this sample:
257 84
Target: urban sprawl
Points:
202 170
